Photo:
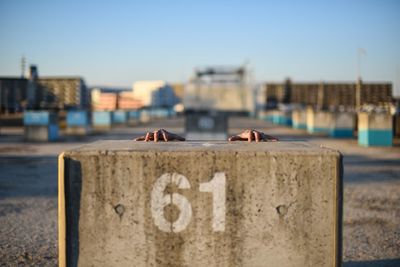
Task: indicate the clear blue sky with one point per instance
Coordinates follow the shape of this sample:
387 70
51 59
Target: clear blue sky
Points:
119 42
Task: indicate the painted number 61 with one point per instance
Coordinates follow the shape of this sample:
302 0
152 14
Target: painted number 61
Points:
159 200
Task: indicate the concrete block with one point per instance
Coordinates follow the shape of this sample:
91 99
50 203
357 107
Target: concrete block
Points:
40 126
40 133
266 115
78 118
342 124
299 119
119 117
125 203
78 130
206 126
78 123
133 117
145 116
397 125
40 118
375 129
101 120
318 121
281 117
160 113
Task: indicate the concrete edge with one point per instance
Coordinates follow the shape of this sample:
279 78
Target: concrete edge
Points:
97 152
61 213
338 231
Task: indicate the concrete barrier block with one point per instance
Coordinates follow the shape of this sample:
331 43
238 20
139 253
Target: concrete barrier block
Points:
160 113
397 125
342 124
78 123
206 126
145 116
281 117
318 121
133 117
41 118
40 126
39 133
124 203
266 115
101 120
299 119
375 129
119 117
78 118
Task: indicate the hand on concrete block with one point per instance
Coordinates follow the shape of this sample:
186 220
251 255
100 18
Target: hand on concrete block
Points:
160 135
253 135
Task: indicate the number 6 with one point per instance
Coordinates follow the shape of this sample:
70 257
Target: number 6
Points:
159 201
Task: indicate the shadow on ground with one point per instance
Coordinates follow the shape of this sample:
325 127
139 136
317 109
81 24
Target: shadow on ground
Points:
28 176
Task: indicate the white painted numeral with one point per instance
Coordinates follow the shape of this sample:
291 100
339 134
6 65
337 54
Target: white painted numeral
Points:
217 187
159 201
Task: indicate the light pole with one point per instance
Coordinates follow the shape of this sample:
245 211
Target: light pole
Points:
360 53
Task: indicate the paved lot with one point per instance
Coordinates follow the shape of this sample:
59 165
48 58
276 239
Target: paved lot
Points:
28 194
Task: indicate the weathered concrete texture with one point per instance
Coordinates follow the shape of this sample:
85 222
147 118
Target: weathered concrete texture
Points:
271 204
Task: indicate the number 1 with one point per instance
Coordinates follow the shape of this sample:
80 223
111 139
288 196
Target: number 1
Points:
217 187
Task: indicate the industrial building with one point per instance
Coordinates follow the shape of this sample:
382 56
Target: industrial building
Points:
105 98
326 95
155 94
13 94
63 92
34 92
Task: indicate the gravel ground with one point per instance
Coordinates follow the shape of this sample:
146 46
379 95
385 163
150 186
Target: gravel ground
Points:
28 196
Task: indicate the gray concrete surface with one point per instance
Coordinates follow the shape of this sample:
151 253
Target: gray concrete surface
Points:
28 199
240 204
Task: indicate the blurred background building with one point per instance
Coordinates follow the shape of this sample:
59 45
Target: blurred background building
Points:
325 95
155 94
50 93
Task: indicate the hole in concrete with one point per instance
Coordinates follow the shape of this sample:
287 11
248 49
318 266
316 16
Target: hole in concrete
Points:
119 209
282 209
